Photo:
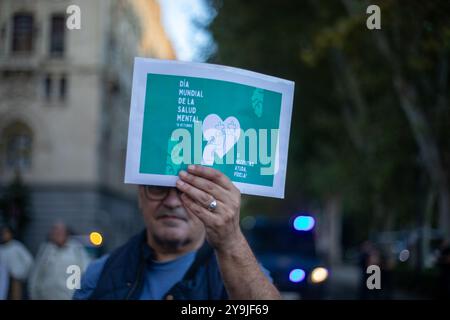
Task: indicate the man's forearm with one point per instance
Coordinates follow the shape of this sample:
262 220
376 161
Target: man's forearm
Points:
242 275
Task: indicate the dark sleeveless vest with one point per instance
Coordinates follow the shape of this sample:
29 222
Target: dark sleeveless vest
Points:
123 275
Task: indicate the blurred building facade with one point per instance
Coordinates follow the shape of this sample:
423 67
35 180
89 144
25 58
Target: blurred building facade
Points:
64 106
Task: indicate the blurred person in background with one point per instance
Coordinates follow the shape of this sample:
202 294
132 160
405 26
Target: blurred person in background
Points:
48 278
369 255
443 264
4 281
387 268
18 262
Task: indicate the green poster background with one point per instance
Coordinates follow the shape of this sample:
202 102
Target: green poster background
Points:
253 107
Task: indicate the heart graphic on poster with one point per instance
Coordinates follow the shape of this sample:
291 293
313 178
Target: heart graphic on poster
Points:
221 135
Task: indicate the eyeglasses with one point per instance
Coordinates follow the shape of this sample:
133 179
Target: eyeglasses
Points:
158 193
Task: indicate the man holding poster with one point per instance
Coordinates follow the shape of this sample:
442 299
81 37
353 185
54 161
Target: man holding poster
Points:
187 151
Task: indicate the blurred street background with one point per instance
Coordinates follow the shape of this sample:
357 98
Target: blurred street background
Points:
369 155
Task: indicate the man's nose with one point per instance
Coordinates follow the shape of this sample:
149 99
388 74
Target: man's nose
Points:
173 199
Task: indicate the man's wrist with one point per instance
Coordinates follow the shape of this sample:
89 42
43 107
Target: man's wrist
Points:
236 245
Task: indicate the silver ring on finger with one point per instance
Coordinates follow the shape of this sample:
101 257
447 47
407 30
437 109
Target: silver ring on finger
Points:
212 205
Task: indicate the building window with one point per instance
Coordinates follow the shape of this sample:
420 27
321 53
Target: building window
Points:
57 32
62 88
48 87
22 39
17 144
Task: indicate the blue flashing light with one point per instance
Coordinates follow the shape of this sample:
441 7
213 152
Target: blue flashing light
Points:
304 223
297 275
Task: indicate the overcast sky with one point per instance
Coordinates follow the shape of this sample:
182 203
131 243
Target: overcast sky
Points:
179 18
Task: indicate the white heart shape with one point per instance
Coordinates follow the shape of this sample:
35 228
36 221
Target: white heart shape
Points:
221 135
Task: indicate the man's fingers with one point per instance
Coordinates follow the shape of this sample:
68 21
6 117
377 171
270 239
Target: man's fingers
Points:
215 190
203 214
211 174
194 193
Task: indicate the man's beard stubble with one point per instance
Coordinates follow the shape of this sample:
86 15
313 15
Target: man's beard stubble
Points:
172 244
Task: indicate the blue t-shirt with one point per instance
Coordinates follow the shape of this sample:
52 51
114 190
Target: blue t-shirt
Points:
161 276
158 279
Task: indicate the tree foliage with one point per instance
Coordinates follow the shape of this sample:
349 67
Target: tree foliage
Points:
371 114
